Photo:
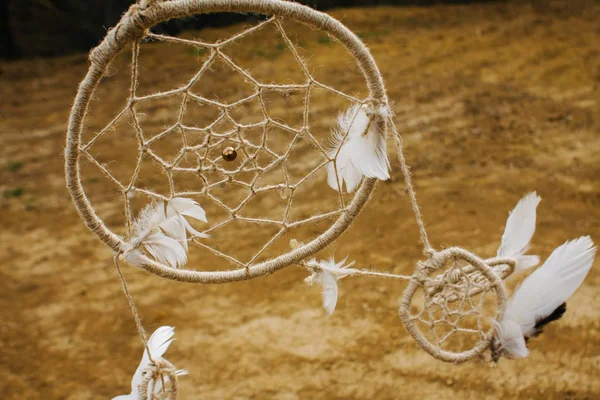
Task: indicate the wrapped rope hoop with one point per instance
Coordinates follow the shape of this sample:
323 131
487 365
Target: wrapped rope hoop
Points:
161 371
453 322
130 30
463 283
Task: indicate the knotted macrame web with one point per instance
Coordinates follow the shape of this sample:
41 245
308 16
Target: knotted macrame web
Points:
255 156
449 298
454 307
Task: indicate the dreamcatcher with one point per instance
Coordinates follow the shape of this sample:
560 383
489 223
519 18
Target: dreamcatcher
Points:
455 305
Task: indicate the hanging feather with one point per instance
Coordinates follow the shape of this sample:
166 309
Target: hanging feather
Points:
358 148
161 236
184 207
542 297
165 250
327 274
519 230
158 344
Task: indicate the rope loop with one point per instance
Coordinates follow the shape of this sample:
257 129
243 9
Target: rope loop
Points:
160 370
447 313
132 26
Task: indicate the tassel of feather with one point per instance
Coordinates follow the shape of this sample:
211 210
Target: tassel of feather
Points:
158 344
327 273
542 297
162 237
358 147
183 207
518 232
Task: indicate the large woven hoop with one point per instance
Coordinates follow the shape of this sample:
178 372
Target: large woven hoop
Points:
134 24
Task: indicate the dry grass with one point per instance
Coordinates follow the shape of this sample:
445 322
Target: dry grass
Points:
493 101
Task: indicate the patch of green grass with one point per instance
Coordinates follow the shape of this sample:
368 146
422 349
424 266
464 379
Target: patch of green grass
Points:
92 179
324 39
14 165
280 46
260 53
13 193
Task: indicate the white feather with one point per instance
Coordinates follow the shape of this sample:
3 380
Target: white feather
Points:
518 232
544 291
182 207
330 290
162 237
149 219
511 339
329 272
158 344
134 257
175 227
165 250
359 148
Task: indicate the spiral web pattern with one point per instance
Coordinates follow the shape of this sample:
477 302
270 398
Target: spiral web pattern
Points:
453 304
453 284
209 166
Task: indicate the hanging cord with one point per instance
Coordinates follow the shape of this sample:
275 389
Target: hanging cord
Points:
427 249
132 307
156 366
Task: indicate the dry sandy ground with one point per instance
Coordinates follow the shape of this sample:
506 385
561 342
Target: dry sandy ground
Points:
493 101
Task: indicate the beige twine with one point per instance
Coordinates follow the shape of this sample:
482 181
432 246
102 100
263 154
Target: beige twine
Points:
132 28
466 290
476 277
159 367
160 371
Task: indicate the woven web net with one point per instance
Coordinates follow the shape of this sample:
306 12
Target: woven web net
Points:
452 308
279 169
280 145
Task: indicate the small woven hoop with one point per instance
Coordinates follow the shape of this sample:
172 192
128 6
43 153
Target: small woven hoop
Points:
134 24
158 371
436 262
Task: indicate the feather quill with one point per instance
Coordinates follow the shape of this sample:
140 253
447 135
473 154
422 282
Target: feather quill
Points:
327 275
358 147
520 227
542 296
158 344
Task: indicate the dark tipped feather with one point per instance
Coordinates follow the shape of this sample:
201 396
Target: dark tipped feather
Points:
555 315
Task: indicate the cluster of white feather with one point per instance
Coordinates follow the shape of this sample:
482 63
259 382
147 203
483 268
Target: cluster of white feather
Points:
164 234
539 300
542 296
158 344
327 273
358 147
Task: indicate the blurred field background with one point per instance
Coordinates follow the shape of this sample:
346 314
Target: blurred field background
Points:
493 100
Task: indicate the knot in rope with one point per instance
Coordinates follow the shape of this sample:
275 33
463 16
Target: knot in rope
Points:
157 371
133 25
378 108
422 271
